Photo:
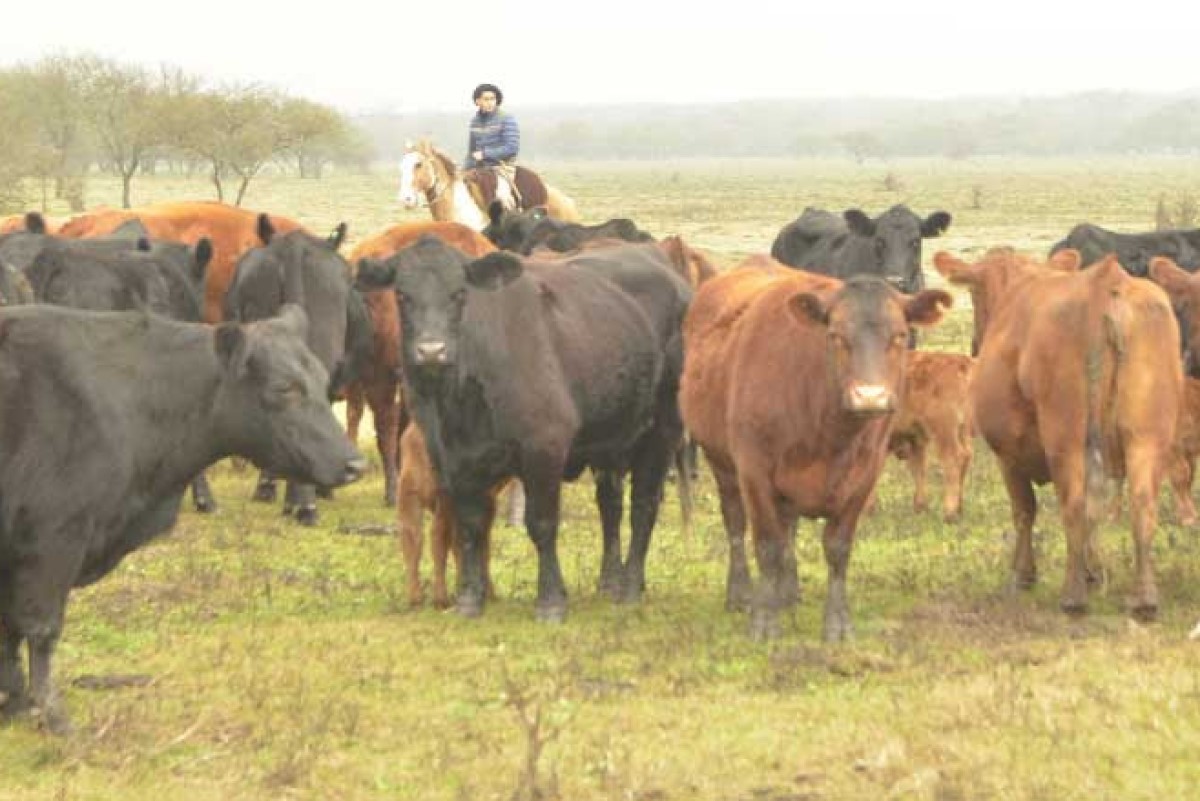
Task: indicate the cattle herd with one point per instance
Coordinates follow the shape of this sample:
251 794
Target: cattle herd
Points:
144 345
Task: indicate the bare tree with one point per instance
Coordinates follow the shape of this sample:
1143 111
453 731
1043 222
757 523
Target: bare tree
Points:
237 131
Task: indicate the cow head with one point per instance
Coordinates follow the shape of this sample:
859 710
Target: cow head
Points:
272 407
1184 290
992 280
432 281
513 230
895 243
867 326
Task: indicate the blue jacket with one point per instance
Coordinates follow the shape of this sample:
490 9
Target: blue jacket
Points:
497 135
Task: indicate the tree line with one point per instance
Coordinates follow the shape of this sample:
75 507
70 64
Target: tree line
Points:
67 116
1080 124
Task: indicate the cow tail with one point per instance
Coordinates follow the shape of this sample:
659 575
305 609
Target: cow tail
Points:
1104 362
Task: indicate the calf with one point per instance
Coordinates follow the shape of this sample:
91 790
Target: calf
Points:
107 417
789 387
936 410
520 368
1078 378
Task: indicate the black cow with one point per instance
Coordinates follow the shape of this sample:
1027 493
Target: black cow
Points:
95 275
853 244
1134 251
299 268
523 368
106 418
522 231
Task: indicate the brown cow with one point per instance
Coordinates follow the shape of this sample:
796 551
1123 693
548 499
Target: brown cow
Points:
380 381
1078 376
789 383
232 231
418 494
936 410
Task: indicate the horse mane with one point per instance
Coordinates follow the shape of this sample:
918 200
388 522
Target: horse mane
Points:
427 147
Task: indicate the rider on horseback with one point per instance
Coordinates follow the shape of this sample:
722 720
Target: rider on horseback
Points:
492 147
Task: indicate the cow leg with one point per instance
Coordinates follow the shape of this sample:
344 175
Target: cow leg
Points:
1024 512
42 691
543 491
683 486
610 500
354 410
386 411
516 504
470 514
838 540
409 511
265 491
953 457
1182 476
771 539
302 498
35 614
202 496
12 674
1069 484
649 478
733 515
916 468
1144 475
442 539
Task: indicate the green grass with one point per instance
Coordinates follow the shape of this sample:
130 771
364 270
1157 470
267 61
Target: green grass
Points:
278 662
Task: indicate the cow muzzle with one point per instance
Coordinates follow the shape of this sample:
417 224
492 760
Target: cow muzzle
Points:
869 399
432 352
356 468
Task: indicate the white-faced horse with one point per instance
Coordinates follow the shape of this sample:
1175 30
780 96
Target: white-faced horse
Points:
429 176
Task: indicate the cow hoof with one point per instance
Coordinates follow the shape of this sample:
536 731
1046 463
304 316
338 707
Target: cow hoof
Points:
445 603
265 493
1144 612
205 506
1073 606
14 706
551 612
737 599
54 721
610 582
469 607
1023 581
764 625
952 517
306 515
629 594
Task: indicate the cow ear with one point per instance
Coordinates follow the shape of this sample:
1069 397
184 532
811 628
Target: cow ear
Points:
231 344
808 308
265 230
495 212
954 269
142 245
35 223
374 274
337 236
935 224
201 255
294 319
1179 284
1066 260
859 223
493 271
925 307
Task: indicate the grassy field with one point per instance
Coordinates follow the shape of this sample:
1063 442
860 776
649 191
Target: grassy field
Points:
243 657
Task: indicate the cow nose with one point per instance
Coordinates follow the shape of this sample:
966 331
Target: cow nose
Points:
431 351
870 398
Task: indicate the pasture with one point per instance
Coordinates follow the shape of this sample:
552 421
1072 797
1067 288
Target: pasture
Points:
245 657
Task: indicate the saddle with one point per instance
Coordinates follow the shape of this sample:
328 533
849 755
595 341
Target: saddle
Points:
517 188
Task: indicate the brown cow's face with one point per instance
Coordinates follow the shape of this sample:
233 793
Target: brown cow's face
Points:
1183 288
867 336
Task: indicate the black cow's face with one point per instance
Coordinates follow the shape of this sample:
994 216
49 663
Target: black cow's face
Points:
274 404
867 330
896 243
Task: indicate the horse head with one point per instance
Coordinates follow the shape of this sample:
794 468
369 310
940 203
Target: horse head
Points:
425 173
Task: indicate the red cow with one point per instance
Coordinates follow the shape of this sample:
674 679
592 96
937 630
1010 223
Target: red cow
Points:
789 385
1078 378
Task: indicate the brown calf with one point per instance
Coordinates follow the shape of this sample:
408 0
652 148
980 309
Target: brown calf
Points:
1078 377
936 410
789 385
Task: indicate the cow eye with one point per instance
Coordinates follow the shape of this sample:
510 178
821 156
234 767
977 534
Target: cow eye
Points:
459 295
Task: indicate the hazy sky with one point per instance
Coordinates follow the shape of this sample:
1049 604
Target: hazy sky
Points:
429 54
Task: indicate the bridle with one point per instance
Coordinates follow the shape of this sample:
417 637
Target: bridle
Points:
436 189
